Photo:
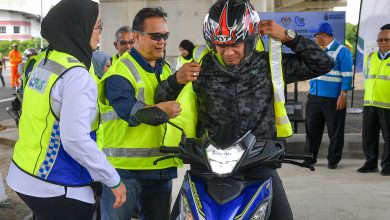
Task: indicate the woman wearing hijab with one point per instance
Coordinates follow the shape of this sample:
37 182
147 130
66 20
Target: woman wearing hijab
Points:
101 62
186 48
56 158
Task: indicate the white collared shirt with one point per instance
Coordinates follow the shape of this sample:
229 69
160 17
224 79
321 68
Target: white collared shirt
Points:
329 45
383 56
74 98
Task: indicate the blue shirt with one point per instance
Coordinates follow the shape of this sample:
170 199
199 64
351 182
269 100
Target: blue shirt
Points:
340 78
121 95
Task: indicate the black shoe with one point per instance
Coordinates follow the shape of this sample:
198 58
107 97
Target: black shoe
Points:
332 166
309 162
367 169
385 171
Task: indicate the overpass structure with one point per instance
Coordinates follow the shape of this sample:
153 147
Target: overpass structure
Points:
185 17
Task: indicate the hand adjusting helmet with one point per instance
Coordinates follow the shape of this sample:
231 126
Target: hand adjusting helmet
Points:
230 22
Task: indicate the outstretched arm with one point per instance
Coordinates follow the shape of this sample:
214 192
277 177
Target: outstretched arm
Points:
308 60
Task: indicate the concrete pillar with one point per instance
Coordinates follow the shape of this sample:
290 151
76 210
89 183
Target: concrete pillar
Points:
261 5
185 20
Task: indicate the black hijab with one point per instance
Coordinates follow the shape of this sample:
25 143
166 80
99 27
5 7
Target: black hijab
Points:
188 46
68 28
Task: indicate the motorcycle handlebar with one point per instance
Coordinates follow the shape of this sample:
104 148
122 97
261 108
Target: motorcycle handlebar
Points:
169 150
298 156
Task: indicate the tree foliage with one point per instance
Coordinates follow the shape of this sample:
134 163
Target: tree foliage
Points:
351 35
6 45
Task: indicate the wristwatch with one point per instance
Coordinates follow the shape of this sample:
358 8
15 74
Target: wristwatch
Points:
291 34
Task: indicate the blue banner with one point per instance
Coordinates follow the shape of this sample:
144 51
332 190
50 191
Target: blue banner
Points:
306 23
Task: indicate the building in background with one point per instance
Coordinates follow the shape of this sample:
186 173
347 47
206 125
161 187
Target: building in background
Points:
18 25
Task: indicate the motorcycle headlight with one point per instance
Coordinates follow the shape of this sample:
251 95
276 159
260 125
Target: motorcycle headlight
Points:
261 212
185 209
224 161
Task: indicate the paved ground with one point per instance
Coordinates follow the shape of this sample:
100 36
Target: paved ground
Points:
341 194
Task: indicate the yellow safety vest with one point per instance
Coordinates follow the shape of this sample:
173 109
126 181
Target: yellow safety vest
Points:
377 82
181 61
282 122
114 58
259 45
186 120
133 148
38 150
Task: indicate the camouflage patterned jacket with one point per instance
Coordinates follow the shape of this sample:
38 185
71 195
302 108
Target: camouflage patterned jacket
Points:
244 100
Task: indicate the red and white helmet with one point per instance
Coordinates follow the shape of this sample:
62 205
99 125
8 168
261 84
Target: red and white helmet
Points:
230 22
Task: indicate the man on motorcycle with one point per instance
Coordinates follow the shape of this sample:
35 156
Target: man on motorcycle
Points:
29 59
243 89
28 63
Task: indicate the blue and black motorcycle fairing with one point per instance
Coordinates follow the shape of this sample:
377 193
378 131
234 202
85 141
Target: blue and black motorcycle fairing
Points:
215 188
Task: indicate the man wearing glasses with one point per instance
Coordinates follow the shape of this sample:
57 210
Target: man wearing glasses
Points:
124 41
327 99
376 114
133 123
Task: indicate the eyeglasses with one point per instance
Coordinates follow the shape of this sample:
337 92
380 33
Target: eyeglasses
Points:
99 27
124 42
386 40
156 36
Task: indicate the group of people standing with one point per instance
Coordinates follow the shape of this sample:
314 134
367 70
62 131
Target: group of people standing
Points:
327 101
108 127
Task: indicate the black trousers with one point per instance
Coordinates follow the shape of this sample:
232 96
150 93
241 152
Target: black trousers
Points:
321 110
374 120
280 210
58 208
1 76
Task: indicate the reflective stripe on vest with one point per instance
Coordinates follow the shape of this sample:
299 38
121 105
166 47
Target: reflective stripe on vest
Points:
137 77
384 77
334 75
199 52
377 82
282 122
379 104
52 66
132 152
329 78
112 115
334 54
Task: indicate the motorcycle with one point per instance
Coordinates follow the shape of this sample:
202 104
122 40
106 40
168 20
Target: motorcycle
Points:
14 110
16 106
223 192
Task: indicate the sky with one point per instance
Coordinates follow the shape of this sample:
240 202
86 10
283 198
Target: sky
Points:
352 9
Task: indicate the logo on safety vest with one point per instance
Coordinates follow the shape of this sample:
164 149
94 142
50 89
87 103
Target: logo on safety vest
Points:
38 80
